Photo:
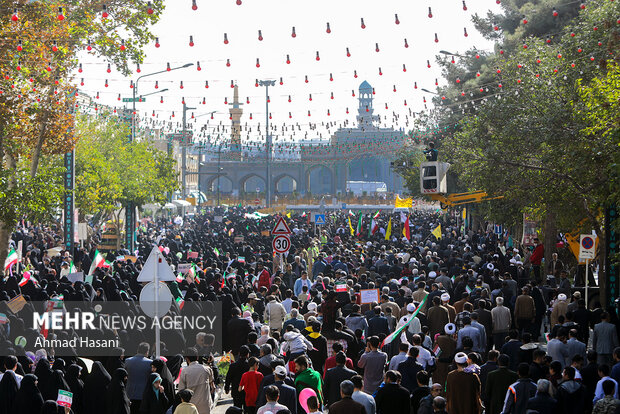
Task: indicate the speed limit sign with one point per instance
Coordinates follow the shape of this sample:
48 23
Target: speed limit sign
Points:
281 244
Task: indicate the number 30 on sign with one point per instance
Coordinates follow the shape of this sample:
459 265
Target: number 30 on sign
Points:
281 244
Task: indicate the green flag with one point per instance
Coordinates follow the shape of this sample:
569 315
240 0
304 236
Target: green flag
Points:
359 226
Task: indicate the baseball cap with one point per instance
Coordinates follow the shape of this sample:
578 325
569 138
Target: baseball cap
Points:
280 371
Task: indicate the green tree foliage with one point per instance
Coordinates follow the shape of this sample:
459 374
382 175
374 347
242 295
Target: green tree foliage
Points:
514 122
533 123
36 198
40 49
111 172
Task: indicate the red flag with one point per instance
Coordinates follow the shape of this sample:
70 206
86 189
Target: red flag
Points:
407 230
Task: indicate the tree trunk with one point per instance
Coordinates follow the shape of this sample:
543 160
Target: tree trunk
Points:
6 228
36 154
550 234
117 222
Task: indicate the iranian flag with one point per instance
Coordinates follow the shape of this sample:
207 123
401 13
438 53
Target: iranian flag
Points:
72 268
11 259
98 261
27 277
359 226
374 224
192 275
388 339
180 302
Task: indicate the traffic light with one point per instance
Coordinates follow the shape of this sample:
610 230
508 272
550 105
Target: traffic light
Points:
433 177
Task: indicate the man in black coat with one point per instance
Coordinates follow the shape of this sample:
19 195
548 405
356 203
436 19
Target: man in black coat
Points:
409 368
238 329
288 394
233 377
538 369
378 324
271 379
392 398
485 319
489 366
571 394
335 376
497 384
346 405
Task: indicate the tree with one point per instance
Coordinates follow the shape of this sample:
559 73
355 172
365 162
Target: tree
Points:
111 172
517 103
37 99
550 126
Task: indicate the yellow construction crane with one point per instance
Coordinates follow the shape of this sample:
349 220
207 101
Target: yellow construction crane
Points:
433 183
458 199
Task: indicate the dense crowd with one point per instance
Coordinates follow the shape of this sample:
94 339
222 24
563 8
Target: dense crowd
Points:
466 322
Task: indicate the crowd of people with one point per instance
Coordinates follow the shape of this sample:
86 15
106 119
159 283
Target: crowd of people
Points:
466 322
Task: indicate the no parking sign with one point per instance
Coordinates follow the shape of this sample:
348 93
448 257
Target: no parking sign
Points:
587 247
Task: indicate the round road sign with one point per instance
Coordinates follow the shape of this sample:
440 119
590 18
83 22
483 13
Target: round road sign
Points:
281 244
147 299
587 242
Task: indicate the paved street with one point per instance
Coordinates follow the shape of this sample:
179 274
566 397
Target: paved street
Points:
222 404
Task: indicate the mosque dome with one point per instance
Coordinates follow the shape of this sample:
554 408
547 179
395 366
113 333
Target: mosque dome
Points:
365 87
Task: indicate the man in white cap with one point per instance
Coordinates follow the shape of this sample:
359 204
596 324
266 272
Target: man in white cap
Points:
501 319
463 389
560 307
414 327
445 302
447 346
311 311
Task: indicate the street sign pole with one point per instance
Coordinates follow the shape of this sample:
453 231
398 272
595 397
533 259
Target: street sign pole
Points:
587 265
587 252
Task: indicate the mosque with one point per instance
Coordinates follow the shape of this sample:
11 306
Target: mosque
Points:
362 153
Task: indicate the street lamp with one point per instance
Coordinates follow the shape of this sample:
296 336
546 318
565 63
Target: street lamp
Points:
427 91
267 84
444 52
130 208
135 89
152 93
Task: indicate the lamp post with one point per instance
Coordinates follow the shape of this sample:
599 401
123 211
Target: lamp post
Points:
219 169
135 91
267 84
130 208
184 152
427 91
445 52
